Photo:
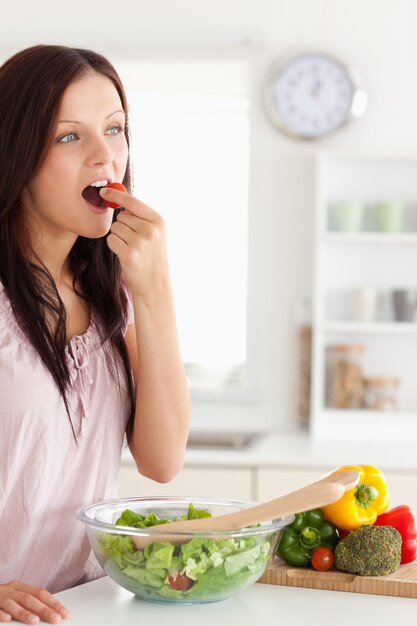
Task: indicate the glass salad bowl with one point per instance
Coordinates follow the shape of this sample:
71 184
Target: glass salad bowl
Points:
190 567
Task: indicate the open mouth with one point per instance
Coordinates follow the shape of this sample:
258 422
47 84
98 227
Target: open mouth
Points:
91 194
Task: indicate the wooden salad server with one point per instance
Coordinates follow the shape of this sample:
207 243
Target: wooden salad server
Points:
325 491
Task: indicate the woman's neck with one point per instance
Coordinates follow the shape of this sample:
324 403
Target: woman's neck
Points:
54 256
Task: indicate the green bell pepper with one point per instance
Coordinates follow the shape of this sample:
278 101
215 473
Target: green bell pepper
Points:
308 531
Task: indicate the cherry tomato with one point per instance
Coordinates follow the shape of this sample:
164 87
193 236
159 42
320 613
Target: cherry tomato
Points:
180 583
119 187
322 559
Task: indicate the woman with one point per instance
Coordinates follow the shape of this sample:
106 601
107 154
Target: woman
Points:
88 345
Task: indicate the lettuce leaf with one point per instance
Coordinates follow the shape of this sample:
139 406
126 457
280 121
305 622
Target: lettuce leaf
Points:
158 555
194 513
136 520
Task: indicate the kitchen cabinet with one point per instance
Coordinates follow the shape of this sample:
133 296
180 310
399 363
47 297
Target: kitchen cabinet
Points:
365 244
274 482
210 481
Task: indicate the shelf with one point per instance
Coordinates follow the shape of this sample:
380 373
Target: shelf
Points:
366 425
360 414
370 238
348 260
370 328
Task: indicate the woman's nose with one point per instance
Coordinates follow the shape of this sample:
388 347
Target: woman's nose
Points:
99 152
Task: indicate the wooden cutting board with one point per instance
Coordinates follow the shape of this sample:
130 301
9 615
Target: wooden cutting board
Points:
402 583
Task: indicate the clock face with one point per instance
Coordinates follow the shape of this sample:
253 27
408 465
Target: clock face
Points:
311 95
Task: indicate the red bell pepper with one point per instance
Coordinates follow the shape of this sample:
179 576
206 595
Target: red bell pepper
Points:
401 518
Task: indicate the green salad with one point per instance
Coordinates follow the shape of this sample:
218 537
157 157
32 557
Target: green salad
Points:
201 569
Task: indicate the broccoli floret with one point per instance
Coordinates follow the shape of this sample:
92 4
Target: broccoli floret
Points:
369 551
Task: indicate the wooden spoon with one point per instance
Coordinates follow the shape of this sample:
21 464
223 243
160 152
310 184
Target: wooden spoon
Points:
328 489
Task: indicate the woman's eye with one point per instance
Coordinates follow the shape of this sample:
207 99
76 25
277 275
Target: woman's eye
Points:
68 138
114 130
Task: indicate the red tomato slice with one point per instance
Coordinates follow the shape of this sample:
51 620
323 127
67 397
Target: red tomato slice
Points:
322 559
119 187
180 583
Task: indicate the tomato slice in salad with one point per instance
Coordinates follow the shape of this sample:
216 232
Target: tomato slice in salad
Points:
119 187
180 583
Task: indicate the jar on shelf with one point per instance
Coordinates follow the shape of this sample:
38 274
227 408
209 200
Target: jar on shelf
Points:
347 215
381 394
344 384
389 216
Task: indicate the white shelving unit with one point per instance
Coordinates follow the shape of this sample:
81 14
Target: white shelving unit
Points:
345 261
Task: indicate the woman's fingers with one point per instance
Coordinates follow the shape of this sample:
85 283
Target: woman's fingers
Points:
130 231
19 613
137 237
142 231
5 617
131 203
49 600
134 222
28 604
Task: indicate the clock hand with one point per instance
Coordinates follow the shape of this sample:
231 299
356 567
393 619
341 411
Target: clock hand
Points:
317 87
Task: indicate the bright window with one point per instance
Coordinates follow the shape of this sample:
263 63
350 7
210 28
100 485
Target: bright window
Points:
190 142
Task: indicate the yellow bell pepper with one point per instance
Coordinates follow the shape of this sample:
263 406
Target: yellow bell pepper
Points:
361 505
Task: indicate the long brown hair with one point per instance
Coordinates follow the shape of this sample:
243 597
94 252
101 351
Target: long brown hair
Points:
32 83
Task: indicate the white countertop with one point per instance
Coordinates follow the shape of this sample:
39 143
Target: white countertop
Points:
103 603
300 450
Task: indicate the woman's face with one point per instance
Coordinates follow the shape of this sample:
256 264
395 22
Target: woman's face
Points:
89 145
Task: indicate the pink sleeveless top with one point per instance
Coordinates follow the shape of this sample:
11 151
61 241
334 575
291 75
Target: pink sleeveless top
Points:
45 475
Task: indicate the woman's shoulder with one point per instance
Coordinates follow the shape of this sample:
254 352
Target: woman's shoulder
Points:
8 323
5 306
4 300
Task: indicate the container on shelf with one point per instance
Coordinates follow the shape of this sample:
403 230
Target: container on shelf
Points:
381 394
405 305
347 215
344 380
365 304
389 216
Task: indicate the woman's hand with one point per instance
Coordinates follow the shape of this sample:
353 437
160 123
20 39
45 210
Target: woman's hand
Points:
138 238
28 604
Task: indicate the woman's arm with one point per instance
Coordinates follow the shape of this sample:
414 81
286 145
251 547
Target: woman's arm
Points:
162 415
162 411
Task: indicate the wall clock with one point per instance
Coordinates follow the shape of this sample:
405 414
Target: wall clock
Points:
313 94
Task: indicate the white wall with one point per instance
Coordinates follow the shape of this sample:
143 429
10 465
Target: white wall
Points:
376 36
